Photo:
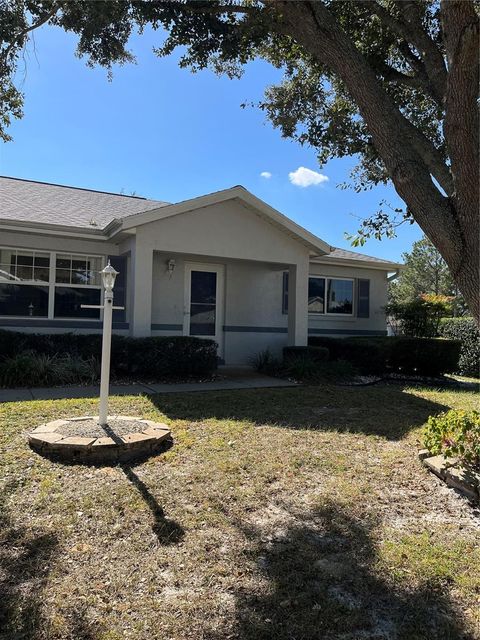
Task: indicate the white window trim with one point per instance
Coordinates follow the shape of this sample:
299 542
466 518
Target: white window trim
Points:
315 314
51 284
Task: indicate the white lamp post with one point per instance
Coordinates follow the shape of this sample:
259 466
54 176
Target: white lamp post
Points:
108 277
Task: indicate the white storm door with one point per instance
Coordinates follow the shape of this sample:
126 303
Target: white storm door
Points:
203 313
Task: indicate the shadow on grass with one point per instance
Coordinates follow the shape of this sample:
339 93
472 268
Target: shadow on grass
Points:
324 586
25 556
167 531
381 410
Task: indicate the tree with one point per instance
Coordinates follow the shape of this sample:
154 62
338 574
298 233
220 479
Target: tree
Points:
394 82
425 272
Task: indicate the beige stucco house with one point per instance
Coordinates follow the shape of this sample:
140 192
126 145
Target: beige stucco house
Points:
225 266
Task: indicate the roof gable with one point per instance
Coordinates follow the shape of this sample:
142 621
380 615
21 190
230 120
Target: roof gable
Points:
271 215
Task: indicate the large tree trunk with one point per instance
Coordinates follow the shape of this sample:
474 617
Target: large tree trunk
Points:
448 216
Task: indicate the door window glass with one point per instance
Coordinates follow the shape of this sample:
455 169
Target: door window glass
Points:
203 298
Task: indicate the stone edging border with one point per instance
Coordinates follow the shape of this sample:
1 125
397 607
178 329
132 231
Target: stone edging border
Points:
48 440
454 475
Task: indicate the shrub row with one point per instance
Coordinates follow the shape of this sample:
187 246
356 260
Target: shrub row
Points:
30 369
377 355
155 357
465 330
312 352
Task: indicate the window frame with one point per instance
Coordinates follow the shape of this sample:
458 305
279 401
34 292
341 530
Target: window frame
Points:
325 312
52 284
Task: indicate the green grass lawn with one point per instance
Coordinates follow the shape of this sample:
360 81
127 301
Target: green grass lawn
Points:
285 514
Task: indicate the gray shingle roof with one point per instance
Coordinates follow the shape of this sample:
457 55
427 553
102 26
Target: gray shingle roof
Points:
42 202
343 254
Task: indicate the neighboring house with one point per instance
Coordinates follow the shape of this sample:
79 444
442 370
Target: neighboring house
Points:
225 266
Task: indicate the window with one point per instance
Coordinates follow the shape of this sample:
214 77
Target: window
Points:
17 265
41 284
69 300
75 269
20 270
333 296
330 295
316 295
340 296
82 273
23 300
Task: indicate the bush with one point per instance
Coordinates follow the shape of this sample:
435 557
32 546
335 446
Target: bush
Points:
314 353
336 371
301 366
422 356
455 434
33 370
155 357
367 355
265 362
465 330
176 356
421 316
398 354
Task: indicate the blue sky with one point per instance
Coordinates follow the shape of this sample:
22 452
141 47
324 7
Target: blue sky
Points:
168 134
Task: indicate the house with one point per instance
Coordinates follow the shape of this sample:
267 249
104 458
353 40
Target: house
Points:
226 266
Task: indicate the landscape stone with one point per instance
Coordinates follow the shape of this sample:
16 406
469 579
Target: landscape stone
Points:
77 441
437 464
44 438
464 481
48 428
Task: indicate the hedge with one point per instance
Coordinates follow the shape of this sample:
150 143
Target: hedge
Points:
465 330
423 356
316 354
399 354
367 355
154 357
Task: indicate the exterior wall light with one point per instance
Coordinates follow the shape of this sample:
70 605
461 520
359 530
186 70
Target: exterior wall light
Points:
171 264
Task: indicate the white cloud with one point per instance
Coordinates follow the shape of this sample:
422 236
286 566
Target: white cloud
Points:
266 174
304 177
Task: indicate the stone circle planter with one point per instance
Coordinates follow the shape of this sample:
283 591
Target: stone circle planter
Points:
141 438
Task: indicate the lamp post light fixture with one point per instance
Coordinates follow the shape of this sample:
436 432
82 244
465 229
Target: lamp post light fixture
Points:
108 277
108 280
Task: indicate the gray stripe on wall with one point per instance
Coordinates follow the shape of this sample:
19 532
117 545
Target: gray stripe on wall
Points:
166 327
240 329
59 324
346 332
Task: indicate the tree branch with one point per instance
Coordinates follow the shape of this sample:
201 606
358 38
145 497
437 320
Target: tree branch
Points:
412 31
393 75
431 55
19 37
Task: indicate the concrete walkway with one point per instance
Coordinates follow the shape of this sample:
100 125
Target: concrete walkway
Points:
231 379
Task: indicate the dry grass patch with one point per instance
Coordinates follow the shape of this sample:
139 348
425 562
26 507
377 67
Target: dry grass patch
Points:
283 513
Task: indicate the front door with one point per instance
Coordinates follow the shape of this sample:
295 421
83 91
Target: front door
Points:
203 315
